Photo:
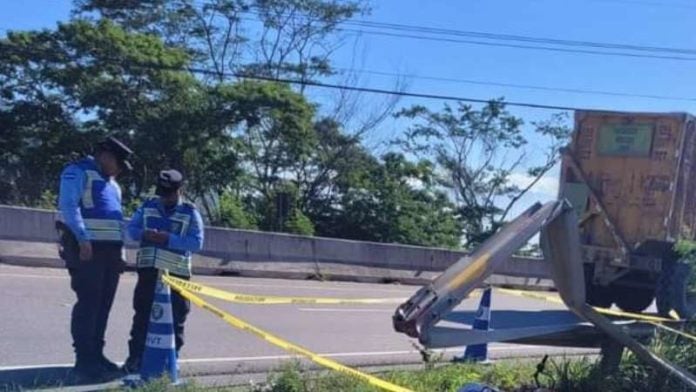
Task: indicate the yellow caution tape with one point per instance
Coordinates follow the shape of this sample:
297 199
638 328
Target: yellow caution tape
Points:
277 341
637 316
678 332
533 295
673 314
617 313
275 300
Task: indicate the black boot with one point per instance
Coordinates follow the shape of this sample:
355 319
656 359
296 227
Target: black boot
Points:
135 354
103 361
109 369
86 371
132 365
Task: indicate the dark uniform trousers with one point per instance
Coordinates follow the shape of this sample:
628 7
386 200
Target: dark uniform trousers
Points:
142 304
94 282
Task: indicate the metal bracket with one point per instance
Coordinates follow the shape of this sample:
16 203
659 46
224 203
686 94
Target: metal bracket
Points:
561 246
599 206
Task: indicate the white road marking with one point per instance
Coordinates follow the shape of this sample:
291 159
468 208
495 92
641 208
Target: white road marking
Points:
347 310
404 291
33 276
495 347
231 284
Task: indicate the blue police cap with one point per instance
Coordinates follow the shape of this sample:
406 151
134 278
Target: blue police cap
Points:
169 181
119 149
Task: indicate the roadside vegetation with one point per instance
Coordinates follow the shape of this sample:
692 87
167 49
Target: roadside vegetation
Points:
200 86
576 374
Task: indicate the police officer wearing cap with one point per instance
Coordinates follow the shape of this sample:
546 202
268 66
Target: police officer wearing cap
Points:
169 230
92 247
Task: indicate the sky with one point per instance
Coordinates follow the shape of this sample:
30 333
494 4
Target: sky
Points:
664 23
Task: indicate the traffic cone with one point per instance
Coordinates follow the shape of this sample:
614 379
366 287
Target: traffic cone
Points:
159 357
479 352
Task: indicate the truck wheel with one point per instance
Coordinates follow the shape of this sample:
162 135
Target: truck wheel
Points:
672 291
633 300
599 296
596 295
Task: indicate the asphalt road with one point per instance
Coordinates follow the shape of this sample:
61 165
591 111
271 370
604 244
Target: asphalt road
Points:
35 306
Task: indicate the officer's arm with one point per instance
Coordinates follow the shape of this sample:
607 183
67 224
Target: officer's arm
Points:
72 184
119 195
136 225
193 240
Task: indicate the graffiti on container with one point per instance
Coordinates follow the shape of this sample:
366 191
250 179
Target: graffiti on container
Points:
664 136
584 143
660 155
648 201
609 188
655 183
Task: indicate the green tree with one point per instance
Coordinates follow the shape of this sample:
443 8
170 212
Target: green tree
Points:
288 38
395 201
65 89
239 144
274 132
333 158
232 212
75 84
475 152
299 223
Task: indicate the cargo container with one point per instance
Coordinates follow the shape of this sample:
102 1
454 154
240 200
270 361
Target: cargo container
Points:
631 178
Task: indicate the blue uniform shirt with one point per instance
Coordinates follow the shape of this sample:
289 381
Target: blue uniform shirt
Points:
90 204
188 242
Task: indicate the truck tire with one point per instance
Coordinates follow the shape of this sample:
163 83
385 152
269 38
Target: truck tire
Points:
599 296
672 291
634 300
596 295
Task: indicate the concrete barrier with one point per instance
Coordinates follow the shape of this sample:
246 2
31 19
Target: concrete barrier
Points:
245 252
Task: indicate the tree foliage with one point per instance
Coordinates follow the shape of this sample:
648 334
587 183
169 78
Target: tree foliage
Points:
255 155
475 152
71 86
275 38
233 213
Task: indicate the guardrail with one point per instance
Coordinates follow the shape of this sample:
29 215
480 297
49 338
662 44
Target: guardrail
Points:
224 246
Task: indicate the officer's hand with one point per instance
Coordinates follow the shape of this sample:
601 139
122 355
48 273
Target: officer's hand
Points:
161 237
85 250
158 237
149 235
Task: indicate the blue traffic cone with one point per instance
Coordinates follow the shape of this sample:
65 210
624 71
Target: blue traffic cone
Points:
479 352
159 357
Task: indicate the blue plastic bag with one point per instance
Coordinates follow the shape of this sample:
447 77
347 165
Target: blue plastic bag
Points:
474 387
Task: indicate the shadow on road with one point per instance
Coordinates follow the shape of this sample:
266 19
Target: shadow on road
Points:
502 319
40 378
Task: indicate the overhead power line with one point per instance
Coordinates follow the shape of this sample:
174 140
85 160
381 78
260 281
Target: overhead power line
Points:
400 93
242 75
521 86
518 38
521 46
512 85
509 45
434 30
497 39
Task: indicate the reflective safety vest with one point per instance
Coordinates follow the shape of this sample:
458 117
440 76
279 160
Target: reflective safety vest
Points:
177 262
100 204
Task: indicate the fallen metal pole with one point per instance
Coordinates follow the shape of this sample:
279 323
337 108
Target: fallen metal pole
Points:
560 243
557 223
641 352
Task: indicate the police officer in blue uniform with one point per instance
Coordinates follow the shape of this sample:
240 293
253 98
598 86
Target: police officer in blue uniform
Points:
92 247
169 230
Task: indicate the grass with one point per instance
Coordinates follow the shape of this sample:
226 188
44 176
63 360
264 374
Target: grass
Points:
505 375
558 375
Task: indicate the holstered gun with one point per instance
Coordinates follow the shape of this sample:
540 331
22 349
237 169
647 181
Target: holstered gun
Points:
68 247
